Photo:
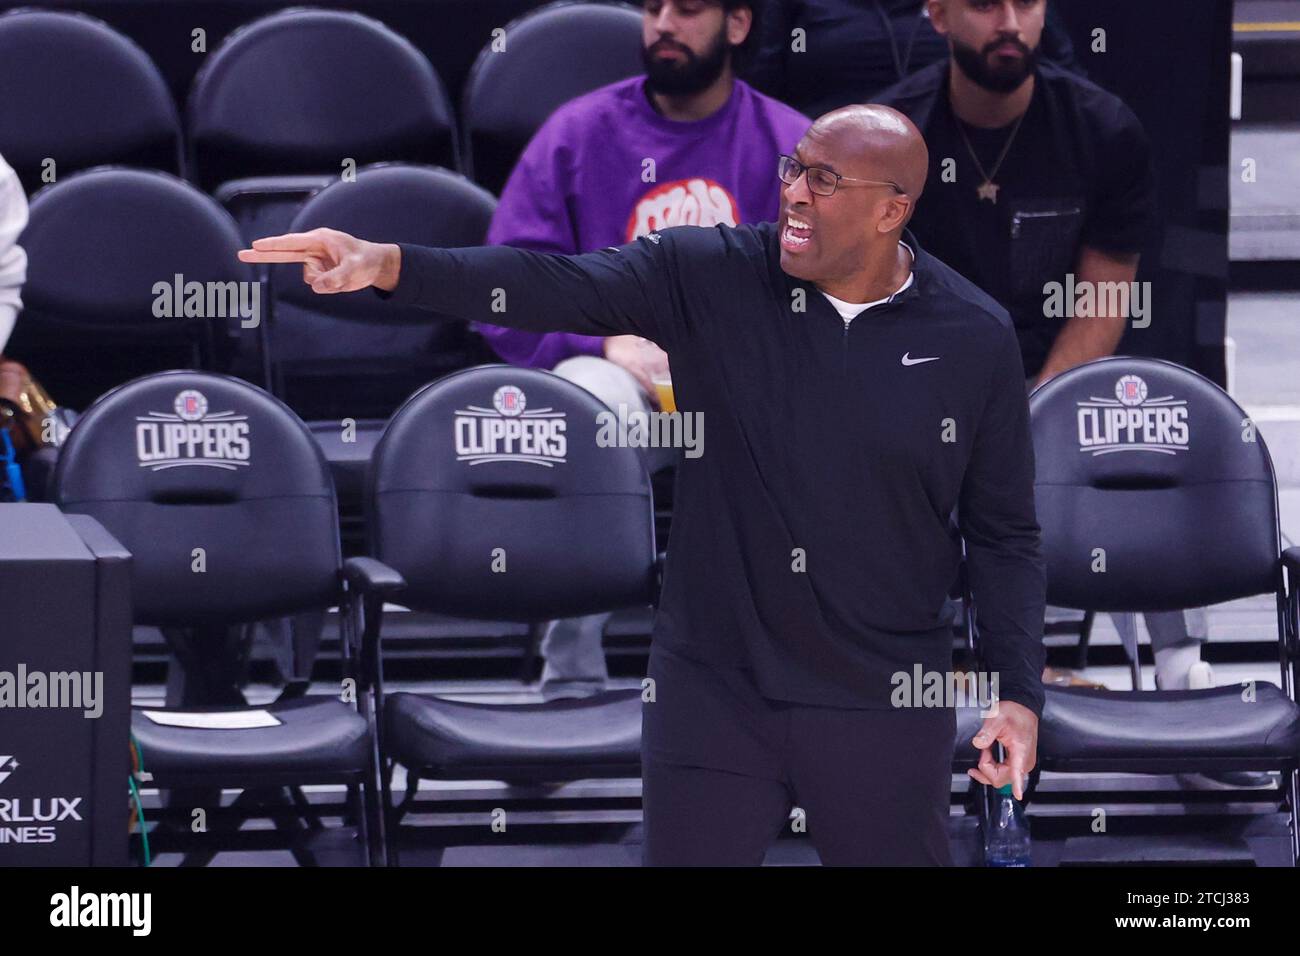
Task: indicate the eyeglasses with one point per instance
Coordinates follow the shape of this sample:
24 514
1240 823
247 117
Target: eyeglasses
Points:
823 181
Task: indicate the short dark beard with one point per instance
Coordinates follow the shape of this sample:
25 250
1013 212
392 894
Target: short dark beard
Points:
975 64
693 75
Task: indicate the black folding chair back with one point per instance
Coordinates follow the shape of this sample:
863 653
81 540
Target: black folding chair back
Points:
303 90
570 517
129 272
354 355
304 97
1162 471
1155 492
510 92
80 94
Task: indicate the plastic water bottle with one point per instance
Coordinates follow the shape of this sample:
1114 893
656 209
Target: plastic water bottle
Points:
1007 841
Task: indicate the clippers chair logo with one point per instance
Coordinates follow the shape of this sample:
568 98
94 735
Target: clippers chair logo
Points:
509 431
1133 421
191 436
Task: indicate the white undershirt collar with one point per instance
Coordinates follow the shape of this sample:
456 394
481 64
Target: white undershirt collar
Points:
850 310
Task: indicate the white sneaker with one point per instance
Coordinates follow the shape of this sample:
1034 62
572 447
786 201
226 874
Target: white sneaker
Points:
1200 676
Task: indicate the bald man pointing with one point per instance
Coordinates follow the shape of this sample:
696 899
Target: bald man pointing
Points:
857 393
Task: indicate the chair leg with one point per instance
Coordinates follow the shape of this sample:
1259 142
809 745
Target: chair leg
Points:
246 801
1085 635
380 804
359 800
395 813
378 776
1293 798
1126 624
284 815
305 809
372 799
198 858
377 826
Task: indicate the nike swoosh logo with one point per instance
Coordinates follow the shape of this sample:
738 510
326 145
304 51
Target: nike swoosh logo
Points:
908 360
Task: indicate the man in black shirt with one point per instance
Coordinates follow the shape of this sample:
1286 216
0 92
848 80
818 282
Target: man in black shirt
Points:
1034 174
1040 181
856 392
819 55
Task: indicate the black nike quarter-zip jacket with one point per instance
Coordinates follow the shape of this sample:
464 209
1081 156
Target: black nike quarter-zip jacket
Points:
812 540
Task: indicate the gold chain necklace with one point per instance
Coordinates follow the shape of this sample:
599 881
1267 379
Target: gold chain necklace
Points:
989 189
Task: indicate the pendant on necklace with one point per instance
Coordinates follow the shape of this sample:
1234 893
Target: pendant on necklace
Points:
989 191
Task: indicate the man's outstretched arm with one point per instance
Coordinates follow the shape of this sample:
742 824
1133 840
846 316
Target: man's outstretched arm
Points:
613 292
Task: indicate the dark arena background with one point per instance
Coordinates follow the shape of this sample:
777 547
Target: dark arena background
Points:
402 613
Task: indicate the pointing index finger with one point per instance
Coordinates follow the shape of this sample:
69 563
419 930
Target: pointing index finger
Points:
289 242
266 255
290 247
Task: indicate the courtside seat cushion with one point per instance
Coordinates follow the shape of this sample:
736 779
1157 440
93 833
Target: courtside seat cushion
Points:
316 735
593 736
1085 724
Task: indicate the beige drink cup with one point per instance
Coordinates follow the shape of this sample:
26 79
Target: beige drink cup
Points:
663 382
661 377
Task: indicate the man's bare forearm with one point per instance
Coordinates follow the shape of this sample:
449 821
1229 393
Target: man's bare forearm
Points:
1082 339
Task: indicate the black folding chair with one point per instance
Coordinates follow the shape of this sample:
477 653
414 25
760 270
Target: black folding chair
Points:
226 505
511 91
346 362
129 272
280 106
490 496
81 94
1155 493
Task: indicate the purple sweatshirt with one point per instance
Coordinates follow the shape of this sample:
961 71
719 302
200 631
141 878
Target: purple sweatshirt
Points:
606 168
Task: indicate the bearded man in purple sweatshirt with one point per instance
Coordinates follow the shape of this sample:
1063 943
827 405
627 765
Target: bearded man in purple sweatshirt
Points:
685 144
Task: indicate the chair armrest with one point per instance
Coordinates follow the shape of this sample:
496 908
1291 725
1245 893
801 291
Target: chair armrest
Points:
369 583
1291 560
372 577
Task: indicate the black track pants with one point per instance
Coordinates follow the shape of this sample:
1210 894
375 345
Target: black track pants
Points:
722 767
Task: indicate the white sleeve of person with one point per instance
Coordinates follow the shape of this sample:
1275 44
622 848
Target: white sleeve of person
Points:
13 261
